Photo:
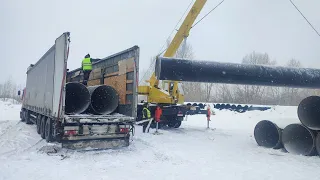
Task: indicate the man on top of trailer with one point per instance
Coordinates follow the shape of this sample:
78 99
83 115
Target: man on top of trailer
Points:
86 67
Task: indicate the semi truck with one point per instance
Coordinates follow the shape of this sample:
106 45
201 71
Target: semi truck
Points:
61 107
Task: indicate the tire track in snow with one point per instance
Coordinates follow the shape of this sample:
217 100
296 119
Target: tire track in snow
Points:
160 154
18 139
8 128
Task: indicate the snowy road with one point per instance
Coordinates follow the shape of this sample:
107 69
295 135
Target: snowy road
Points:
191 152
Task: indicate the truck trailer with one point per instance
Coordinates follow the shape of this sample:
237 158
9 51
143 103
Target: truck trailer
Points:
66 111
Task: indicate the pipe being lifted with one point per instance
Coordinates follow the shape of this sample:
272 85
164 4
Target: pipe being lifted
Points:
231 73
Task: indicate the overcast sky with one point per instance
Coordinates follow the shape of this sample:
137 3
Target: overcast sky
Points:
103 27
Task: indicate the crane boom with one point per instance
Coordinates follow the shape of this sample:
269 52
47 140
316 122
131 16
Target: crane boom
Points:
154 93
185 27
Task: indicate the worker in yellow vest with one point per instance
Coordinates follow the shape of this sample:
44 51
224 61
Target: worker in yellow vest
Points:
146 115
86 68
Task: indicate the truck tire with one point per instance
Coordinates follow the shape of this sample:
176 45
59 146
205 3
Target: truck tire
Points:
22 116
42 126
39 124
174 124
27 118
48 130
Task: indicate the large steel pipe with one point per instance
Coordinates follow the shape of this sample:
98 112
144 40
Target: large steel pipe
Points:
268 134
232 73
77 98
309 112
104 99
298 139
318 143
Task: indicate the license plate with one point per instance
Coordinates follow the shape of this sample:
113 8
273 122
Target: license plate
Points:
180 115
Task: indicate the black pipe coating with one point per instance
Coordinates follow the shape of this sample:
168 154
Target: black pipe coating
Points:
77 98
309 112
298 139
232 73
104 99
318 143
268 134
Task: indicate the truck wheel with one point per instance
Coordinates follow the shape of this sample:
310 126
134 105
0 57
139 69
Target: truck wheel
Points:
177 124
174 124
22 116
48 130
42 127
39 124
127 141
27 118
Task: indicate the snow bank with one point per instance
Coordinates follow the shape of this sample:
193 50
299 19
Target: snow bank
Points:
9 110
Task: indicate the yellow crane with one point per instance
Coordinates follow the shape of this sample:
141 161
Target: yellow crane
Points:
172 94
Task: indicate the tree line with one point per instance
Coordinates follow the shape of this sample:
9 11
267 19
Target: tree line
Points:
9 91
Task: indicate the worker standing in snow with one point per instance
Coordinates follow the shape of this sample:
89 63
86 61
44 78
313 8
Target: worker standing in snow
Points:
146 117
157 116
208 115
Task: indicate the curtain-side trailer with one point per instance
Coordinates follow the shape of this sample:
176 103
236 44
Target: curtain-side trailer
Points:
44 104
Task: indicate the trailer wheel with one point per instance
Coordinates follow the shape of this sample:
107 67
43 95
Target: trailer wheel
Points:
42 127
22 116
48 130
174 124
39 124
27 118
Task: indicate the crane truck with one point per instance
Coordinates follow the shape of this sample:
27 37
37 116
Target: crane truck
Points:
170 95
59 106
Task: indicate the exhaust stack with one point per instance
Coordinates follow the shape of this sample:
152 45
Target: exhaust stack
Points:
104 99
268 134
77 98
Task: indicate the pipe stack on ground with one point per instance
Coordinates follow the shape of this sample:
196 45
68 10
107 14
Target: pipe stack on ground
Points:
298 139
104 99
268 134
301 139
77 98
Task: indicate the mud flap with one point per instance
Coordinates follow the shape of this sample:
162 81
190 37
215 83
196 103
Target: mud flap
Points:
96 144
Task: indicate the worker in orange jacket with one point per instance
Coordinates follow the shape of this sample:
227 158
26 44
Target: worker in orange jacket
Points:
208 113
157 116
158 113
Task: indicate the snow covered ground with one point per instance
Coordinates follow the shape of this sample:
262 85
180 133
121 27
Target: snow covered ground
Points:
190 152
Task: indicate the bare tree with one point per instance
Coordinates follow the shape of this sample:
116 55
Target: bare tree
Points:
185 51
8 90
291 96
251 93
208 87
224 93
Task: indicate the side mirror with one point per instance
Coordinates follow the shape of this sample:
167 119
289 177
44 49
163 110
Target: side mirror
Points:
19 93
